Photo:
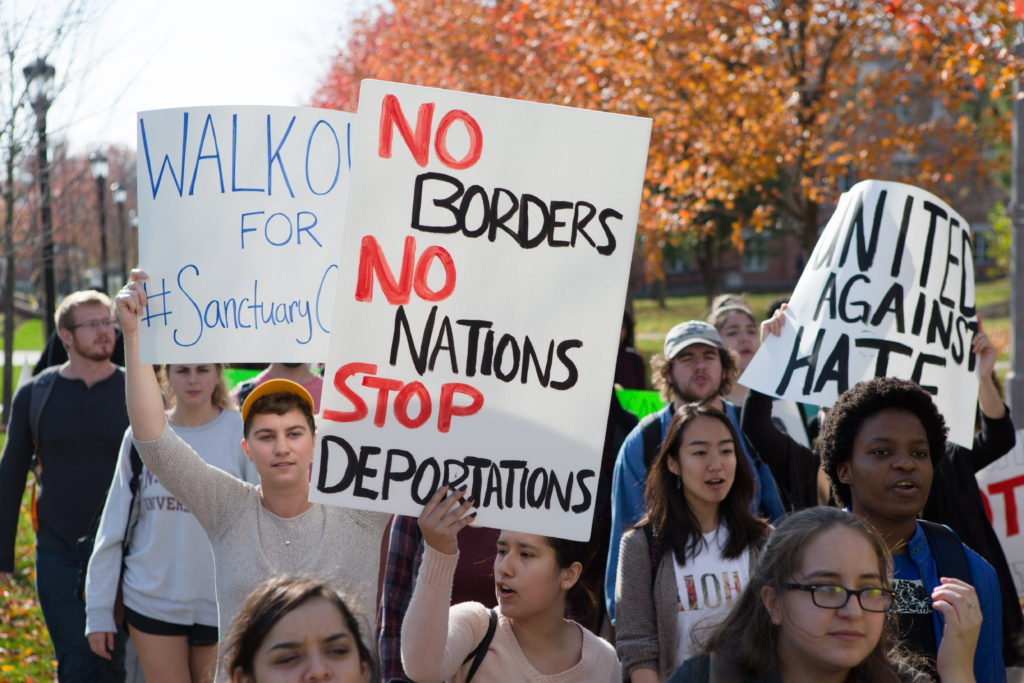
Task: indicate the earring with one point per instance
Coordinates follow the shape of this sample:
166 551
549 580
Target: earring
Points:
679 481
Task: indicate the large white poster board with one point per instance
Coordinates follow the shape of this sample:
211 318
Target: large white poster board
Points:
240 217
888 291
480 293
1002 488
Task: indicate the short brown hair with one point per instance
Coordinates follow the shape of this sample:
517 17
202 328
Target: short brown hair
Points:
64 316
279 403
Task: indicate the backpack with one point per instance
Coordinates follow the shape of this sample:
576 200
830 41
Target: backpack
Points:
84 545
949 552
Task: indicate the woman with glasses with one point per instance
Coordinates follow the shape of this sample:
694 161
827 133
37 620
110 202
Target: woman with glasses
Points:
818 608
686 562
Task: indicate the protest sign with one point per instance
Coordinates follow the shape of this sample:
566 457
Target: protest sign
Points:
888 291
240 217
479 303
1002 489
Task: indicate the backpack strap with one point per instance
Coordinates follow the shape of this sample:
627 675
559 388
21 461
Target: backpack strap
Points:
650 429
949 552
723 671
480 651
39 394
41 388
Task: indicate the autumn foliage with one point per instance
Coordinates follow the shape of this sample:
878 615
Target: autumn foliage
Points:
782 102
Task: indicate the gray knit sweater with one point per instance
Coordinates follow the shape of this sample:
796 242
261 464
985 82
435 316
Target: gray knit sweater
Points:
251 544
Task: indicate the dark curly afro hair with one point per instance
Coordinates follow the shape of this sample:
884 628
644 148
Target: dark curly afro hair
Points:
864 399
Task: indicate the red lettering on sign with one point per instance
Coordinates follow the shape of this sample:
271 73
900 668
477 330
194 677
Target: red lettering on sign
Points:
1006 488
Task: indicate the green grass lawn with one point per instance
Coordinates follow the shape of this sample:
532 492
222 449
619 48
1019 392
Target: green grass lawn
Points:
25 650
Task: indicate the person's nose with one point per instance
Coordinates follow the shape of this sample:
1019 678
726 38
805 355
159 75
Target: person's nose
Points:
317 669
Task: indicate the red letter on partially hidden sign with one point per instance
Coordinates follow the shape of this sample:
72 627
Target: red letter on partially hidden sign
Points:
418 143
1006 488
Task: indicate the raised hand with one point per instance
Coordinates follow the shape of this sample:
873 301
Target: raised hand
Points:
443 517
131 301
774 324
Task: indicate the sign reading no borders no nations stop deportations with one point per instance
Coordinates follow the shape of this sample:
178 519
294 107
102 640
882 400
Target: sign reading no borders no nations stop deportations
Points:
240 223
480 288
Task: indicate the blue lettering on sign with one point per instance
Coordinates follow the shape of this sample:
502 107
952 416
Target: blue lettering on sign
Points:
207 126
166 163
322 138
276 156
245 312
278 227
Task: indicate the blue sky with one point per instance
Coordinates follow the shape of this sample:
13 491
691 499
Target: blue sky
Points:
148 54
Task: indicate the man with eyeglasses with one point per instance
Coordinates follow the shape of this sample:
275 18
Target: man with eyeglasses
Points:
72 418
878 445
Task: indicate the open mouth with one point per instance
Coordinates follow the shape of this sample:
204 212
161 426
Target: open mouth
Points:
503 590
906 486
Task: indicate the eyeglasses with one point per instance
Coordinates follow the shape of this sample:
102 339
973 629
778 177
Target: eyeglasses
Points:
828 596
105 323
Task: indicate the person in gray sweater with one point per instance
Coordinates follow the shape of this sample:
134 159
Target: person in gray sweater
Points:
256 532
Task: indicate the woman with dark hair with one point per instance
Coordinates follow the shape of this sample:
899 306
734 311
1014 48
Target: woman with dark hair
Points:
293 628
697 528
536 579
817 608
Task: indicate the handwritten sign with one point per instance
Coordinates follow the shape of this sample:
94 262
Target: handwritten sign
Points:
479 302
240 218
1002 489
888 291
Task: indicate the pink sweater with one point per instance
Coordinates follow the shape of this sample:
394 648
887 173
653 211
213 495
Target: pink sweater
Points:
436 639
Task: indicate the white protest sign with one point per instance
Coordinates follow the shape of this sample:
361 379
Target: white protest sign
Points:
888 291
240 218
1002 488
480 296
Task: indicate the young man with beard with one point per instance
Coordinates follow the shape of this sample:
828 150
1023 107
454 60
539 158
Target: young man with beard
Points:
72 418
695 367
879 446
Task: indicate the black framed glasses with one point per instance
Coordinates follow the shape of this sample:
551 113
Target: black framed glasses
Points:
104 323
829 596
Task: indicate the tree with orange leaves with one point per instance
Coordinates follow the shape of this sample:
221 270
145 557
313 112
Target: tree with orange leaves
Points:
782 100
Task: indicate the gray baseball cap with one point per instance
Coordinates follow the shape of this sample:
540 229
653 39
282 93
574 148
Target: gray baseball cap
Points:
690 333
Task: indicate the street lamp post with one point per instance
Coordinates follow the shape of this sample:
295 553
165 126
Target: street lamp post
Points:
1015 377
120 198
100 170
39 80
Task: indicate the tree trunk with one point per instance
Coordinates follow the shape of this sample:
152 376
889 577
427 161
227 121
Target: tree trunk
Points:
9 281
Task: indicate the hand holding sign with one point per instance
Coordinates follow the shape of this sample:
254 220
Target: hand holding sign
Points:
443 517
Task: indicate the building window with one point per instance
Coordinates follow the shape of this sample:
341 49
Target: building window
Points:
755 252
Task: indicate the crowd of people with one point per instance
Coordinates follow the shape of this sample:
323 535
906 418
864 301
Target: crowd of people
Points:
736 537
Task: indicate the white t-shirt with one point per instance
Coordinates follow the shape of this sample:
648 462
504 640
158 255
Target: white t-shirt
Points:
709 585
